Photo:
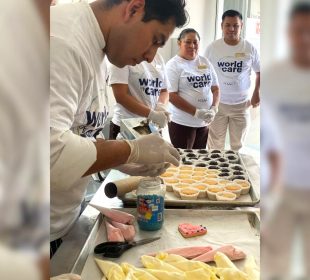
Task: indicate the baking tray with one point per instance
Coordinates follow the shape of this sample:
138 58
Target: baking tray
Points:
128 131
240 228
172 200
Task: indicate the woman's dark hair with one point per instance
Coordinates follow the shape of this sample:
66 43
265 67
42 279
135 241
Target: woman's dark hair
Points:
231 13
302 7
161 10
186 31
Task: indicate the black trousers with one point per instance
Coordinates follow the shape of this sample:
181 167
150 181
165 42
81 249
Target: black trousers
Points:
186 137
54 245
114 130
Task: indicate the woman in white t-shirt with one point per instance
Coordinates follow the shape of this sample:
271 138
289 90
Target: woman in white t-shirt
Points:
193 93
140 91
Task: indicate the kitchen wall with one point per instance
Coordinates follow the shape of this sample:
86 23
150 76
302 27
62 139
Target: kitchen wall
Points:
202 17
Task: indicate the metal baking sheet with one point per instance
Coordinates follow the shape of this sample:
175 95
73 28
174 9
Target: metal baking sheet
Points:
239 228
250 199
127 127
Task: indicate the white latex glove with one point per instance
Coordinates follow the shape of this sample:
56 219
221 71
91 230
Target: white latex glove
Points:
160 118
201 113
135 169
69 276
161 107
210 114
151 149
206 114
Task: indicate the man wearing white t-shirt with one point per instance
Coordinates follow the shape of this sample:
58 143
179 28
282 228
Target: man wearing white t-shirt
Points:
286 92
233 59
140 91
81 35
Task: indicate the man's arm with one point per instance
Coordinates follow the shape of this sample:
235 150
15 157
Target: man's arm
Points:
128 101
110 153
255 100
275 163
216 95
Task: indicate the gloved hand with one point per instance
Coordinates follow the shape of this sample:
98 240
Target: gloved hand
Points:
160 118
210 114
206 114
135 169
151 149
201 113
69 276
161 107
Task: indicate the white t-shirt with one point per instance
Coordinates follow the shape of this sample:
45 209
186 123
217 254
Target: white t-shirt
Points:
145 81
270 141
192 80
24 161
78 107
286 91
233 66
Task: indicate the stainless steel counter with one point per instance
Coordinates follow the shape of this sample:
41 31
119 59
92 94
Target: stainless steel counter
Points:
72 254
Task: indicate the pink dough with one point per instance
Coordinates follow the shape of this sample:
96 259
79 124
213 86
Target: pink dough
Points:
189 230
231 252
115 215
128 231
113 233
188 252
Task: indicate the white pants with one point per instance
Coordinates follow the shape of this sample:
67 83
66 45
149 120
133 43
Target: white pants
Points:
234 117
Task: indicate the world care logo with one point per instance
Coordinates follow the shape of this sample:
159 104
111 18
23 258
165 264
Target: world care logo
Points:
230 66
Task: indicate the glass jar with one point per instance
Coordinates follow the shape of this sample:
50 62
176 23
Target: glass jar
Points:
150 203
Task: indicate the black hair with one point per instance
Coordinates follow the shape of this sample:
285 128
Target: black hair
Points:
302 7
231 13
107 4
161 10
186 31
164 10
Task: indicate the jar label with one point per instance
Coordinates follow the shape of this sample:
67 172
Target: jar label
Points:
150 209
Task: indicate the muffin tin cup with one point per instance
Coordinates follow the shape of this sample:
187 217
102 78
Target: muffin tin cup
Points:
239 178
245 185
176 188
200 164
200 168
224 181
189 193
184 173
214 151
167 175
236 167
213 190
234 188
213 171
170 182
215 156
226 196
230 152
202 189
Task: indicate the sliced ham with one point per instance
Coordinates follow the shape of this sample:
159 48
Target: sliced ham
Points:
128 231
113 233
188 252
115 215
231 252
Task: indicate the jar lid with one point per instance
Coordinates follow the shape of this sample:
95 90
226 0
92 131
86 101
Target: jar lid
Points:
150 182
